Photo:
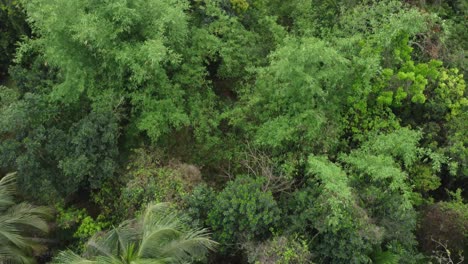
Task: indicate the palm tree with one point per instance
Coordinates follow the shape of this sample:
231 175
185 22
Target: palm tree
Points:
157 237
17 221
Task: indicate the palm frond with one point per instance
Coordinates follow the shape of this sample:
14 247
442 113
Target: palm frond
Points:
165 236
154 241
69 257
194 244
7 190
11 254
158 236
115 241
16 221
30 216
7 183
152 261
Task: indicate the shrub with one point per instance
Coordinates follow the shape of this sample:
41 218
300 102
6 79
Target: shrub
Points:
243 211
199 202
149 180
445 223
279 250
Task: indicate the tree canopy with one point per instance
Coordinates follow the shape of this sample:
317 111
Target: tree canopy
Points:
286 131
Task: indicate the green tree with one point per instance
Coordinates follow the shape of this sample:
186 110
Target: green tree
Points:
157 236
14 27
139 50
57 149
353 115
361 207
292 108
17 223
327 211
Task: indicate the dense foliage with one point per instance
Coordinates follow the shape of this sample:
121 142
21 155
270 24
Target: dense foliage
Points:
294 131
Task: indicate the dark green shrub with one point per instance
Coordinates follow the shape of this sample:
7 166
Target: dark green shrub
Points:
199 202
243 211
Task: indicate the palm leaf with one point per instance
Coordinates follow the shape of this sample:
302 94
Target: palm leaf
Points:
14 255
7 190
69 257
16 220
157 237
194 244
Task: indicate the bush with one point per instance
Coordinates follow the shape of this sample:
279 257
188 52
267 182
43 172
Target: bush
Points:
445 223
279 250
79 224
149 180
243 211
199 203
